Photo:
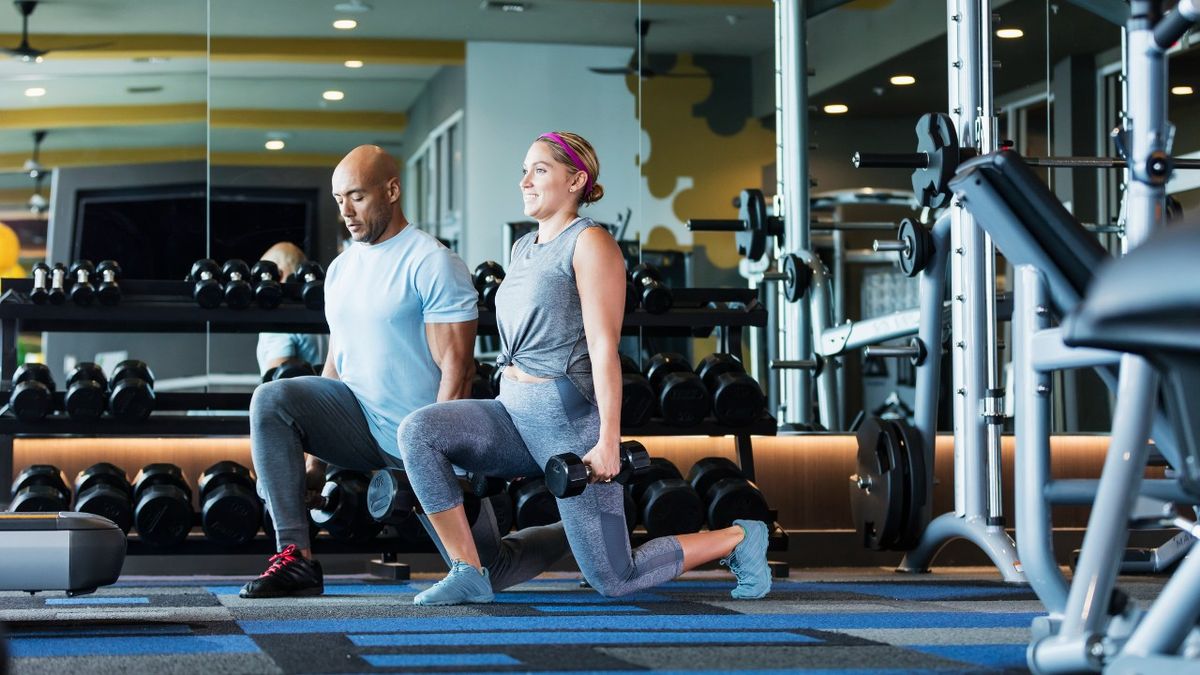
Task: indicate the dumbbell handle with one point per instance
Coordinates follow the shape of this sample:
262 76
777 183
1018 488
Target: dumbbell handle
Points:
263 276
57 277
886 160
82 276
109 276
206 275
39 277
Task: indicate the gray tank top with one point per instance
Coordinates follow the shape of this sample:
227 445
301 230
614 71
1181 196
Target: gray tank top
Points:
538 313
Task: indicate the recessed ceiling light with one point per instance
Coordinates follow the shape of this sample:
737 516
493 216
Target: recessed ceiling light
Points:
837 108
1010 33
333 95
345 24
354 63
1183 90
274 144
903 80
34 92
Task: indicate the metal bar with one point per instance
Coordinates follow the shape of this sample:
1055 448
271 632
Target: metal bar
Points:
1082 492
1049 353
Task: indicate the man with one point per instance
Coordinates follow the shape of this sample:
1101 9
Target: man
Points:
275 348
402 312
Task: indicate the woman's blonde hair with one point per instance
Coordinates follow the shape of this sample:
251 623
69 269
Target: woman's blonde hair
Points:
586 154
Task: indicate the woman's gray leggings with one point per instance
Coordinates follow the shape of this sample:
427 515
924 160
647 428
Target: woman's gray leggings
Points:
321 416
514 435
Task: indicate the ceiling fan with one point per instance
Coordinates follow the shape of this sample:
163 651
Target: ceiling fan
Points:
37 203
26 52
649 65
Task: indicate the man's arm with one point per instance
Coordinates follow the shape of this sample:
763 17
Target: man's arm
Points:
330 370
452 346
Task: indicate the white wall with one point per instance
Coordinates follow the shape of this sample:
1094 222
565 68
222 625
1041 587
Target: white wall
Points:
517 91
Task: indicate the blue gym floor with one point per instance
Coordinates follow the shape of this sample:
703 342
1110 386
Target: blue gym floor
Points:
832 621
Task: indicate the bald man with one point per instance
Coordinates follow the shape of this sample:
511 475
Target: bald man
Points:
401 310
275 348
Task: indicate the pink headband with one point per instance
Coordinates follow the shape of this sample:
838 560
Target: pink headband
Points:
587 187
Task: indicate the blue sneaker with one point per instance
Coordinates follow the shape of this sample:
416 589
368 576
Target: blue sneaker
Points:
464 584
748 562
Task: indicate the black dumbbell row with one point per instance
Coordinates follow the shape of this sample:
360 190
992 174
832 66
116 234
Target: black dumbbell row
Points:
238 285
83 282
684 397
128 396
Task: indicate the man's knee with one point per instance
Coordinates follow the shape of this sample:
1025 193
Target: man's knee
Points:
268 398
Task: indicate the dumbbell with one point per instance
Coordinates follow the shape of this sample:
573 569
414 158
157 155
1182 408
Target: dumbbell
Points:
665 503
648 285
341 508
291 367
104 489
502 509
481 384
162 511
87 392
487 277
40 294
637 396
236 274
230 511
568 476
391 500
57 294
108 292
682 397
82 293
312 276
131 398
267 291
40 488
737 400
205 277
532 502
727 494
32 396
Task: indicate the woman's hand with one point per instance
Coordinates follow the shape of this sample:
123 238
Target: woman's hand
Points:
605 460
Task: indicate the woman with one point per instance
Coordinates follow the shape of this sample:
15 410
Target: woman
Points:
559 313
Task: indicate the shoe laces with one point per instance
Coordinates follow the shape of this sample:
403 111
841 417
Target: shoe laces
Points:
281 560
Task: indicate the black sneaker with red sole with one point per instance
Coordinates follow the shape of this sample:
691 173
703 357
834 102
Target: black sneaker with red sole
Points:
289 575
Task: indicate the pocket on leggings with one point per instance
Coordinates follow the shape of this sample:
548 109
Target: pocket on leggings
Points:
575 405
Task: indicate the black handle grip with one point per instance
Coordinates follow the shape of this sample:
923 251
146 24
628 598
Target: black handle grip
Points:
1171 28
884 160
715 225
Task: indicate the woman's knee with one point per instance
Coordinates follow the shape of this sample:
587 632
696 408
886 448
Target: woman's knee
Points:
418 431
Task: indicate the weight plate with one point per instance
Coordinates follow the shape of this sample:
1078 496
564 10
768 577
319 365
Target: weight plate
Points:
798 277
918 247
937 140
917 492
751 240
876 490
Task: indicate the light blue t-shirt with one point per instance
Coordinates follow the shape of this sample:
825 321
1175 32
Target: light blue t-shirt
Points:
377 301
272 346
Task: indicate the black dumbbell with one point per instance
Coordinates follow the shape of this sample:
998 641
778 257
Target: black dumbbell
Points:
108 292
532 502
648 285
481 383
32 396
664 502
87 392
682 397
267 291
40 488
737 400
502 509
131 398
341 508
230 511
162 511
205 277
391 500
57 294
291 367
568 476
40 294
236 274
80 274
312 276
487 277
637 396
727 494
104 489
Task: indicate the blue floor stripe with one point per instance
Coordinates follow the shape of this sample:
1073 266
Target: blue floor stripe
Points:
81 631
576 637
438 660
97 601
992 656
823 621
563 609
340 589
133 646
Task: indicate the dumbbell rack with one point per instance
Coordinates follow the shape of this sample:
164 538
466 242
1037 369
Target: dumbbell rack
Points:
168 307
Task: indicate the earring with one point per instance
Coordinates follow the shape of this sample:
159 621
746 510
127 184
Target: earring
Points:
572 189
